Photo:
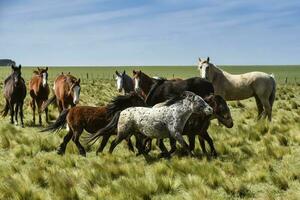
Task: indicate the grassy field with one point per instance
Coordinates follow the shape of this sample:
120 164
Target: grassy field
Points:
257 159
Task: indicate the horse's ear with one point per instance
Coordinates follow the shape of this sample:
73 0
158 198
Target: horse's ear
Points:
46 68
123 72
20 66
62 73
12 67
117 73
69 73
207 60
134 72
199 59
38 69
78 81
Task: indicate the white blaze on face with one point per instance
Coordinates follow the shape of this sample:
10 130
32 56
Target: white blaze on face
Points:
76 91
119 83
136 84
44 79
203 70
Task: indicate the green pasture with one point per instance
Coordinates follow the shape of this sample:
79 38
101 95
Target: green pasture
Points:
257 159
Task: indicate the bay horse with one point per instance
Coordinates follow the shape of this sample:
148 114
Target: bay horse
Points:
39 92
14 94
161 121
124 82
259 85
66 92
91 119
158 90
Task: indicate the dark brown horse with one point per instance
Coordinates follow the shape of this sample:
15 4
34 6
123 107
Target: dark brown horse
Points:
91 119
14 94
66 92
39 92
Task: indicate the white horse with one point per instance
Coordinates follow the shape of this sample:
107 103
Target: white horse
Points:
259 85
162 121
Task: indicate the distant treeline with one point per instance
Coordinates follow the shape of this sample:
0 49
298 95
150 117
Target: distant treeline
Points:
6 62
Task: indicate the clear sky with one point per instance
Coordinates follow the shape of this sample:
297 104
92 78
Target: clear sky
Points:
157 32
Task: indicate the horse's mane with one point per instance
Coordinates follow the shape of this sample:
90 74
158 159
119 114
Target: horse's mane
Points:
153 88
119 103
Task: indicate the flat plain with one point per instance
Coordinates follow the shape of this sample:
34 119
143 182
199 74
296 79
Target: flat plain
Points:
257 159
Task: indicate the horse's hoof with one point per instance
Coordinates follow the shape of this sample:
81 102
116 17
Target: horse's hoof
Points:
22 126
16 123
214 154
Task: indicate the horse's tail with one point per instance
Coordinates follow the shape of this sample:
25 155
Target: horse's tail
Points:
59 123
4 112
48 102
153 88
272 96
108 129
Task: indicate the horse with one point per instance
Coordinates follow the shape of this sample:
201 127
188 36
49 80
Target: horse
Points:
198 124
158 90
164 120
14 94
124 82
256 84
66 92
91 119
39 92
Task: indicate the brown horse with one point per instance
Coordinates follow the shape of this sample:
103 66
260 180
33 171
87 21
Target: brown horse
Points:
66 92
14 94
39 92
143 83
91 119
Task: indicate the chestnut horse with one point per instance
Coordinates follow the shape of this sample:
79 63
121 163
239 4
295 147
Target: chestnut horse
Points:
91 119
14 94
66 92
39 92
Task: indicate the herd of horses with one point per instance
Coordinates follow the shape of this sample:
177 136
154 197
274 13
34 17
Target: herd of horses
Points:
149 108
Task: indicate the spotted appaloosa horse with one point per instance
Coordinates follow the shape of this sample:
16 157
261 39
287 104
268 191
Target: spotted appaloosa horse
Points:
259 85
91 119
124 82
66 92
162 121
39 92
14 94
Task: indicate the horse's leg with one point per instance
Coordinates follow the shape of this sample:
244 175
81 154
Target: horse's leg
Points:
259 105
12 111
32 105
39 105
121 136
202 144
46 113
16 113
173 145
267 108
192 142
75 139
164 150
21 113
129 144
103 144
210 142
177 135
62 147
60 107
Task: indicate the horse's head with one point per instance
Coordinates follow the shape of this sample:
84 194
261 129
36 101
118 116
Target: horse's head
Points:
120 80
43 73
204 66
75 90
137 76
16 74
221 110
198 105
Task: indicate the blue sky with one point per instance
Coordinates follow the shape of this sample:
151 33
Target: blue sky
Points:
157 32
